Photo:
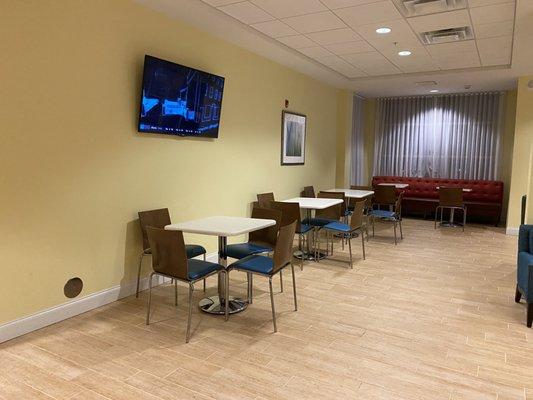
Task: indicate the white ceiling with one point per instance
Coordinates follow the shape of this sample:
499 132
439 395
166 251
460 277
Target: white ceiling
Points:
336 41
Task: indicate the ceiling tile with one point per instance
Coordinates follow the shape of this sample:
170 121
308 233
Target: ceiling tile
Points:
350 47
452 48
419 67
372 63
316 52
481 3
343 67
246 12
297 41
274 29
315 22
400 38
369 13
494 30
217 3
284 8
334 4
495 46
457 60
334 36
492 60
494 13
433 22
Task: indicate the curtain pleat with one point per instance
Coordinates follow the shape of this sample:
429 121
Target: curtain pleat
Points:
452 136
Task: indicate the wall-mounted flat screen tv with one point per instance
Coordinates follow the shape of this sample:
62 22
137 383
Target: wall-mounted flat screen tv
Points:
178 100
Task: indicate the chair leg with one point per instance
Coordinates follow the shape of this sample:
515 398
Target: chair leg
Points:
517 295
226 295
436 214
395 239
149 298
250 287
529 315
272 303
204 260
302 239
281 280
176 292
294 288
139 274
363 243
464 218
373 231
350 250
188 335
401 231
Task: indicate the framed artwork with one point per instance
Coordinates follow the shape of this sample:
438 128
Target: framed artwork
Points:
293 127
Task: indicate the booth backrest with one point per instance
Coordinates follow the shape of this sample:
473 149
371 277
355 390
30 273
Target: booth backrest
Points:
426 188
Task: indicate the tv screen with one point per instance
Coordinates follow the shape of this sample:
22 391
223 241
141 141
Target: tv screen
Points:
178 100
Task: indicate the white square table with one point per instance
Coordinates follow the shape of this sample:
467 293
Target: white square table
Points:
222 227
396 185
308 204
353 193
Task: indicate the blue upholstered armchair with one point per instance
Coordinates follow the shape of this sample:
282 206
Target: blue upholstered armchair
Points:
524 285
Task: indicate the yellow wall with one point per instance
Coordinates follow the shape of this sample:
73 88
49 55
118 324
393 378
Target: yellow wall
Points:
521 164
74 171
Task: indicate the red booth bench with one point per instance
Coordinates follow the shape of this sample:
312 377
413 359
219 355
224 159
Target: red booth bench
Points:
484 202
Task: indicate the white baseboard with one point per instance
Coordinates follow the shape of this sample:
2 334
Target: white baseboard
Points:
511 231
21 326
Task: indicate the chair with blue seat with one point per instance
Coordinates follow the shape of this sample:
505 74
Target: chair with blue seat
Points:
290 212
394 216
260 241
524 285
269 267
170 259
159 219
356 227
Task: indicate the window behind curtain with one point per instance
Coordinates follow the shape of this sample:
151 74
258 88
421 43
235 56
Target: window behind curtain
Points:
451 136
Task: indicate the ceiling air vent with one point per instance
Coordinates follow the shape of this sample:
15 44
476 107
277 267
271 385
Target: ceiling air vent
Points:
413 8
447 35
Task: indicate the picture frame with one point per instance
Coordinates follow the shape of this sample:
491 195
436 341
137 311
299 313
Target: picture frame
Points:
293 137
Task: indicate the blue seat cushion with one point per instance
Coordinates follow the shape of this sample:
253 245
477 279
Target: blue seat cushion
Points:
242 250
304 228
255 263
317 221
525 274
199 268
194 250
338 226
383 214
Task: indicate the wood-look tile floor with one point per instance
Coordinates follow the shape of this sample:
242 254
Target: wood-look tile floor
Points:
432 318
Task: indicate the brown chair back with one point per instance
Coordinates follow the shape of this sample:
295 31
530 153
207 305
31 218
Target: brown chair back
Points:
450 196
168 252
384 195
309 191
290 212
283 250
155 218
334 212
264 199
367 200
358 214
266 236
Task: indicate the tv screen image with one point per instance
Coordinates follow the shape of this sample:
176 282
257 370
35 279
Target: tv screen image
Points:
179 100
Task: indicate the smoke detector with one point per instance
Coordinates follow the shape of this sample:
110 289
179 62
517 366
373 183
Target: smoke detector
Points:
447 35
412 8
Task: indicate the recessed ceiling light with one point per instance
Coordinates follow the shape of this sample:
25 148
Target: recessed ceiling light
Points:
383 30
404 53
434 91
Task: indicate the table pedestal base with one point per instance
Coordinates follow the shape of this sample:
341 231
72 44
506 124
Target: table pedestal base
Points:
308 255
212 305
